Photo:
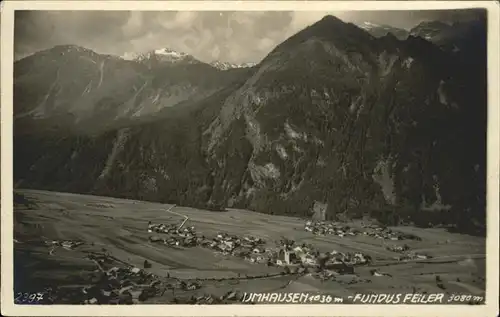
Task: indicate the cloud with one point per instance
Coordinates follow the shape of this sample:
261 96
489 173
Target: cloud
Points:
229 36
132 28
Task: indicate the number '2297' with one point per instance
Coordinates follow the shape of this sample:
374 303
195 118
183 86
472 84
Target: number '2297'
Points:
24 298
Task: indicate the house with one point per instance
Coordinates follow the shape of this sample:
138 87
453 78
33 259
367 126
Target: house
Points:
256 258
309 260
258 250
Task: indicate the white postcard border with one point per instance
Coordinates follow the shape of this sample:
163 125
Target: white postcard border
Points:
7 58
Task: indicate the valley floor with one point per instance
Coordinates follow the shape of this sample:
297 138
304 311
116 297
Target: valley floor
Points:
119 228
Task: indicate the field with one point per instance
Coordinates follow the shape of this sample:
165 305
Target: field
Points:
119 228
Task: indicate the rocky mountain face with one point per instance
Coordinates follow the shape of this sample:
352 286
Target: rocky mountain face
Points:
430 30
226 66
165 56
452 37
381 30
333 116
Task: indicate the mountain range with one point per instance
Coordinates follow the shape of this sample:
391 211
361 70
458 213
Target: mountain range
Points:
166 55
335 114
378 30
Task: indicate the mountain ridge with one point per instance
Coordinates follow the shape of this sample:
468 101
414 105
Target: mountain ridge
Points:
92 89
380 30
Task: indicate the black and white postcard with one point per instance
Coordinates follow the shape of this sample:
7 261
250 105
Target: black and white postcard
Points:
252 158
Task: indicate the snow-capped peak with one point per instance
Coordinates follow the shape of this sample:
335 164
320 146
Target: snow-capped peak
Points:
130 56
226 65
171 53
161 54
172 56
368 25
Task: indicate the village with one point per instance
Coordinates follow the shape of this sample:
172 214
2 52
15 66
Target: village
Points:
116 282
286 253
371 230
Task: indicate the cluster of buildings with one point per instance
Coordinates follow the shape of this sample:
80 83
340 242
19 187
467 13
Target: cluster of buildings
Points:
325 228
406 254
332 228
398 248
210 299
115 282
293 258
305 256
122 286
255 250
128 285
385 233
174 236
223 242
250 248
170 228
66 244
112 283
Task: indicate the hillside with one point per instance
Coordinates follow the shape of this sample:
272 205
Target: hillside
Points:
332 115
79 89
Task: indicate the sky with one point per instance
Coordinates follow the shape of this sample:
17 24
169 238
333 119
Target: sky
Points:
236 37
